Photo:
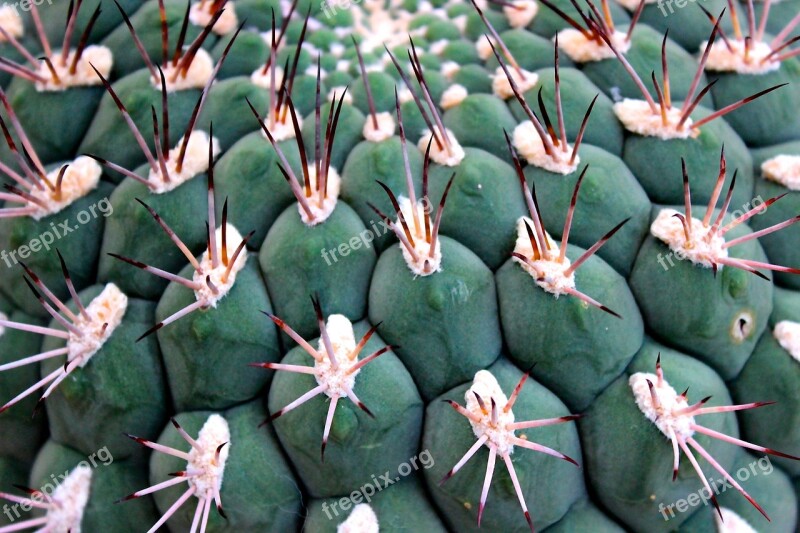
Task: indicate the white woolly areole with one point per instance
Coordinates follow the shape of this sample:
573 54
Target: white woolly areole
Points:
282 130
486 386
637 117
195 161
107 308
201 13
730 522
214 433
378 24
321 211
460 22
197 76
260 79
520 13
787 333
524 79
404 95
11 22
631 5
548 273
484 48
720 59
442 156
204 294
361 520
583 50
421 245
529 145
341 379
664 417
453 96
84 75
449 69
783 169
668 229
336 92
384 130
438 47
80 178
69 501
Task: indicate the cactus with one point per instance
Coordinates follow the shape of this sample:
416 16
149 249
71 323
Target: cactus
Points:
525 227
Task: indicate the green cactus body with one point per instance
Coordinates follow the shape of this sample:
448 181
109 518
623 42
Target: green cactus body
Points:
402 505
531 51
629 461
550 486
479 121
108 479
585 516
718 318
694 27
28 434
609 193
474 78
449 317
225 338
348 134
79 244
596 345
248 53
258 491
12 471
547 23
122 388
360 445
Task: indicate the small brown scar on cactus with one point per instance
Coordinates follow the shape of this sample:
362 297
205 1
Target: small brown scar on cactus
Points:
215 274
494 427
336 364
85 332
553 273
204 470
674 417
703 241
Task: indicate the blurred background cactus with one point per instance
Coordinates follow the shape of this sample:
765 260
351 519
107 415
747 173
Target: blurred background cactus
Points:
330 266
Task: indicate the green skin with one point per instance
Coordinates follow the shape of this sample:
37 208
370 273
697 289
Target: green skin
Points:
531 51
462 52
769 486
241 335
133 233
550 486
26 435
547 23
767 120
482 206
359 445
609 194
479 121
80 249
382 161
147 23
474 78
597 345
645 56
382 87
401 506
226 105
698 312
54 15
442 29
777 244
54 121
602 130
121 389
476 28
779 14
294 268
110 137
12 472
348 132
771 374
585 516
338 78
451 314
111 478
656 163
258 491
629 461
694 25
323 38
